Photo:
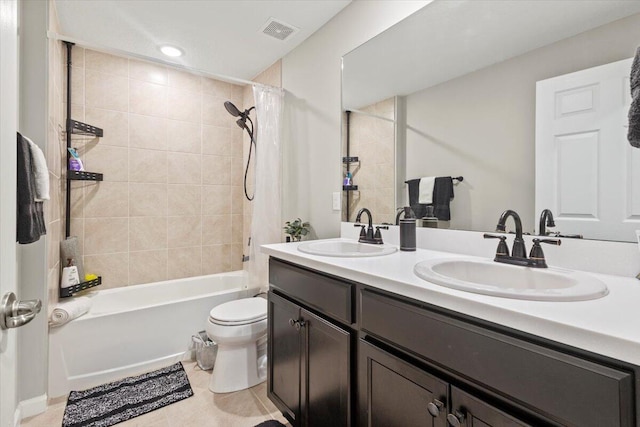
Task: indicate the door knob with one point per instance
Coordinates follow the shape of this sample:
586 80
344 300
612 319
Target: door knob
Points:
434 407
14 313
455 420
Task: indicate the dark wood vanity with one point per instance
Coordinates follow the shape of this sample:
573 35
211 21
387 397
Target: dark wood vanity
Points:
342 353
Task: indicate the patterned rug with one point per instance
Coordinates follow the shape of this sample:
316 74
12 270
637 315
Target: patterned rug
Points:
122 400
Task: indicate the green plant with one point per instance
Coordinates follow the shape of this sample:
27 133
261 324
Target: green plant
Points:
296 229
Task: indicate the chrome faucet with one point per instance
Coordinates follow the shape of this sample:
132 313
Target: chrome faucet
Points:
519 250
546 220
367 235
518 253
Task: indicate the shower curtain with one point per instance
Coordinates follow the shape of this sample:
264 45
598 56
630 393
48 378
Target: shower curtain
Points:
266 220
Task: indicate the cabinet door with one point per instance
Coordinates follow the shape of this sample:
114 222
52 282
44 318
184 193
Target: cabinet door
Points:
327 373
469 411
284 357
395 393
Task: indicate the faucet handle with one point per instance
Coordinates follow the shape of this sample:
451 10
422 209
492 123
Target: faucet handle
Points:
556 242
537 255
378 236
503 249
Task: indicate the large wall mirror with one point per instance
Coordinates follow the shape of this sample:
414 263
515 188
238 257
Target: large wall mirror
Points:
525 101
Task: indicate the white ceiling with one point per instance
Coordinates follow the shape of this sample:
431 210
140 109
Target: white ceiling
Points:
450 38
218 36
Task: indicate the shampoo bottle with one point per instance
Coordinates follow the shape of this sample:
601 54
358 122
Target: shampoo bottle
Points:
70 275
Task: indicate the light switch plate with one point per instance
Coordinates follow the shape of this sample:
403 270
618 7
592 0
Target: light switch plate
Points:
337 200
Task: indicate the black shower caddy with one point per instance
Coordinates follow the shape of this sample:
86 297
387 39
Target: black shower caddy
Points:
74 127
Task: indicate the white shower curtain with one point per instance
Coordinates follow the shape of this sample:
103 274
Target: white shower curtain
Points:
266 220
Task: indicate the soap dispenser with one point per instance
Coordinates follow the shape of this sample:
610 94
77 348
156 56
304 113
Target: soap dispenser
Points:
430 220
407 230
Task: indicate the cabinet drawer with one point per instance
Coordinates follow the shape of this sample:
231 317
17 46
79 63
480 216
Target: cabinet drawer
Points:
329 295
561 387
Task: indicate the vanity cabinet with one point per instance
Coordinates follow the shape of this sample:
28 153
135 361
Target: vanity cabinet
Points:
309 355
543 384
394 393
334 344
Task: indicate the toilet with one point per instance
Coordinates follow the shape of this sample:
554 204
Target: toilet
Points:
240 329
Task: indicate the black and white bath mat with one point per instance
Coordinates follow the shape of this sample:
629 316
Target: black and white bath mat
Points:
122 400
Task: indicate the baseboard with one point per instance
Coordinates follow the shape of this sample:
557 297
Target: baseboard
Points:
17 417
34 406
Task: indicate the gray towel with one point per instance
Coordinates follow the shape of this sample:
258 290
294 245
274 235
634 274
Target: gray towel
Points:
30 223
634 110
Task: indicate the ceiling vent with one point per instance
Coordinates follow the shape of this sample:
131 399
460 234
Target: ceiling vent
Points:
278 29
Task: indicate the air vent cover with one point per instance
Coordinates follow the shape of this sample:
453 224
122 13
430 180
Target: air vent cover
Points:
278 29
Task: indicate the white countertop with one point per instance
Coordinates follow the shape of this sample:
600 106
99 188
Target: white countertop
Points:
609 326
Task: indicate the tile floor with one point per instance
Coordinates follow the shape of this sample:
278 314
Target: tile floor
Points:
244 408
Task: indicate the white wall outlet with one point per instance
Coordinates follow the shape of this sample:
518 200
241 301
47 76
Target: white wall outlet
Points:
337 200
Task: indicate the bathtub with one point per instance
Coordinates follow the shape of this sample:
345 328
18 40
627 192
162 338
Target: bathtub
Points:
135 329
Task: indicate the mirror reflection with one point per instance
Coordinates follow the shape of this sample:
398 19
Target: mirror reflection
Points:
525 101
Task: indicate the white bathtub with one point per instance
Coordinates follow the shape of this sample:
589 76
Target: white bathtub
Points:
135 329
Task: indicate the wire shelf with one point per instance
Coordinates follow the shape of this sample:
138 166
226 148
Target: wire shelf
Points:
68 292
84 176
79 128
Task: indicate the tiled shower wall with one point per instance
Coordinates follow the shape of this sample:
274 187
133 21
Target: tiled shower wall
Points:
171 203
372 140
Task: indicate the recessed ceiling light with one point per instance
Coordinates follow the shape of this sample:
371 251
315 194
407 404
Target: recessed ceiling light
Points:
171 51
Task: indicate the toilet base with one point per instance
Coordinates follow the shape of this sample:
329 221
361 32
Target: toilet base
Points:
239 367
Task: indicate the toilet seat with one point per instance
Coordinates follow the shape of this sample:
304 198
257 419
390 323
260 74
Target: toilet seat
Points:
239 312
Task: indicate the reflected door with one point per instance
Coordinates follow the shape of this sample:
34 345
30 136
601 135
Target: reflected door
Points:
586 171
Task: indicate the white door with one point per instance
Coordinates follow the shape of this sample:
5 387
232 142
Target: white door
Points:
8 127
586 171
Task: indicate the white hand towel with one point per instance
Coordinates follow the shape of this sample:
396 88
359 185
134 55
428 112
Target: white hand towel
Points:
69 310
40 171
425 195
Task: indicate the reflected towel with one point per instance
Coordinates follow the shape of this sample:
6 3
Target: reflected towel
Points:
69 310
425 195
634 110
442 195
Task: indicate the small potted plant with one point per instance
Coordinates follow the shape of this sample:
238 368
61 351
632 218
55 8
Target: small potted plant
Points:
296 229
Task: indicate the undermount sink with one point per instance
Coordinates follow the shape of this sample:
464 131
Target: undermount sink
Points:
510 281
341 248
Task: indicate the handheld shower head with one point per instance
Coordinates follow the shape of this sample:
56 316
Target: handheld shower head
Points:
232 109
242 123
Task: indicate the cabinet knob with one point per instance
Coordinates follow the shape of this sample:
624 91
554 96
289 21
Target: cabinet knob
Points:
300 324
292 322
434 407
455 420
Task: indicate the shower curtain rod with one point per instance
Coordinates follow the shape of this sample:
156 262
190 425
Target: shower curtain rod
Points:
55 36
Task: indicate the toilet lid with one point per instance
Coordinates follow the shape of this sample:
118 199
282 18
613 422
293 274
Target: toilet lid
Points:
239 312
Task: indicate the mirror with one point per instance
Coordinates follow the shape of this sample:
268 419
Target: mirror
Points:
453 90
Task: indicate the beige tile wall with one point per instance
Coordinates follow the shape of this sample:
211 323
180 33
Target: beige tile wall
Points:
373 141
170 205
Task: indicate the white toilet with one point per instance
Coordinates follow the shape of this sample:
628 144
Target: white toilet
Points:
240 329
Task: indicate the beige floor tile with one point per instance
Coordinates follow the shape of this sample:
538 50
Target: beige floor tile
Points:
245 408
156 418
52 417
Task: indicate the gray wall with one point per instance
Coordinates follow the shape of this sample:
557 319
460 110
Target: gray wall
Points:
311 75
482 125
32 264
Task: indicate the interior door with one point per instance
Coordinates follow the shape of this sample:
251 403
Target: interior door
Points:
8 127
586 171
